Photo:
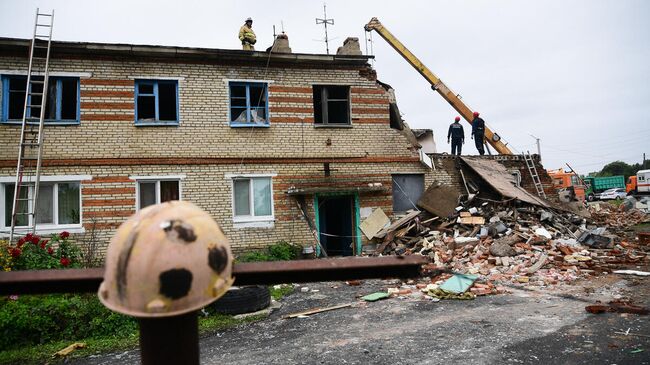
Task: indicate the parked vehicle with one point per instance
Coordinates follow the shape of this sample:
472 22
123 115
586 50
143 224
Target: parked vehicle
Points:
594 185
618 194
563 180
639 184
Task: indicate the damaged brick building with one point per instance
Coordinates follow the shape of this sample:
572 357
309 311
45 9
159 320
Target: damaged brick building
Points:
274 145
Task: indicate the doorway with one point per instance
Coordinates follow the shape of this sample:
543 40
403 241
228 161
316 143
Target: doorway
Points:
336 220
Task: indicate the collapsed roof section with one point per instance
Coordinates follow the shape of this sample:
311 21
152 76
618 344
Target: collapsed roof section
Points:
501 180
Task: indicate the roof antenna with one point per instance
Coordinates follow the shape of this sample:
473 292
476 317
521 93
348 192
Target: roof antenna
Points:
325 21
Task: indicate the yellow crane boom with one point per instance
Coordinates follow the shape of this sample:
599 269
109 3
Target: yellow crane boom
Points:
492 138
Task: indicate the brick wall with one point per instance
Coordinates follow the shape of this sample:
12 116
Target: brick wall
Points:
109 147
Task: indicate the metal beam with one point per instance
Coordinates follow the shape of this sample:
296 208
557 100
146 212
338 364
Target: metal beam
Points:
277 272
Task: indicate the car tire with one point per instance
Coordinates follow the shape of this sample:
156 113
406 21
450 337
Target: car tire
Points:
590 198
244 299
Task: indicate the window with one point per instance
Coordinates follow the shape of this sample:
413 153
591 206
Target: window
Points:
58 205
331 105
252 199
62 106
156 102
248 104
407 189
150 192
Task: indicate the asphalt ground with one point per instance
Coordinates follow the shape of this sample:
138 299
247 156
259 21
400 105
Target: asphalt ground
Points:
526 326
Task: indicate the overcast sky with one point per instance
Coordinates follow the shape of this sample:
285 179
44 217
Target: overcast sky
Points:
576 74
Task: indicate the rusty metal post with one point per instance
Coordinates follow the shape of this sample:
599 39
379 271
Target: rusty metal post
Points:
170 340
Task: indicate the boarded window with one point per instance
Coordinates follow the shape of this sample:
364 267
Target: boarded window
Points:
407 189
331 104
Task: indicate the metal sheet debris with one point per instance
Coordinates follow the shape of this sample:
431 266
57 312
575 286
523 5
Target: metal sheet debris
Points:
498 177
374 223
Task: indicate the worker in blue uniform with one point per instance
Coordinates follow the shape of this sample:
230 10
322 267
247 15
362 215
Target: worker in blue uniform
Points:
457 135
478 133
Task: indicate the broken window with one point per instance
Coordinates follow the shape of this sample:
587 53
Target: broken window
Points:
152 192
248 104
58 204
252 199
407 189
156 102
62 103
331 105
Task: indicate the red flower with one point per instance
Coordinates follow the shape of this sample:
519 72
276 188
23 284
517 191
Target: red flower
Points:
21 242
64 234
35 239
28 236
65 261
15 252
50 250
43 243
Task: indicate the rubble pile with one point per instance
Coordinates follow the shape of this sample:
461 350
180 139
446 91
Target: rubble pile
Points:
513 245
616 217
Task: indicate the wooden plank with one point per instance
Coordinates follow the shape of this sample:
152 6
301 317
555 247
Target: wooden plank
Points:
318 310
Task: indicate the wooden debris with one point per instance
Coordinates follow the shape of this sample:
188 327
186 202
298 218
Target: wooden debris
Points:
318 310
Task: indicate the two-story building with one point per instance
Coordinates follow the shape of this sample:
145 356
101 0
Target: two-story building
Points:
247 136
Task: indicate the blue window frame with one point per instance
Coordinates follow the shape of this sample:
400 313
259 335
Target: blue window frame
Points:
156 102
62 106
249 105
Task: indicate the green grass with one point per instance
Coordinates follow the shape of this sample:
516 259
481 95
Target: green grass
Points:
40 354
281 291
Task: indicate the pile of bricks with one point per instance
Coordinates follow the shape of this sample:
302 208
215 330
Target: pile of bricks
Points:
510 246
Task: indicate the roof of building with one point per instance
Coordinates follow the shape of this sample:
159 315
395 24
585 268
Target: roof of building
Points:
421 132
61 49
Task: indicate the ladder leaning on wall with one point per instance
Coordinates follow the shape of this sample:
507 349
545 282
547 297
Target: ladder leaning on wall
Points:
30 151
533 174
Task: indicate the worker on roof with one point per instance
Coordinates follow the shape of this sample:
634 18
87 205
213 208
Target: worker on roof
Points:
478 133
247 36
457 135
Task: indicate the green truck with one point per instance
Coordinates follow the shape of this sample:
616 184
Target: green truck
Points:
594 185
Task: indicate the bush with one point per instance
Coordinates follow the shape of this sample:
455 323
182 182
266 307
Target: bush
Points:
35 253
6 261
280 251
36 319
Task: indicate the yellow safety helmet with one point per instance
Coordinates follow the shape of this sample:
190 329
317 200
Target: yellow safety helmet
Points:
167 259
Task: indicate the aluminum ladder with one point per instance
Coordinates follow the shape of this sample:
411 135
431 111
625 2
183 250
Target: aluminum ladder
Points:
30 151
533 173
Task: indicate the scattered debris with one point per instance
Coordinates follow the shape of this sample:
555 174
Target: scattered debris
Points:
632 272
68 350
513 241
317 310
620 306
375 296
458 283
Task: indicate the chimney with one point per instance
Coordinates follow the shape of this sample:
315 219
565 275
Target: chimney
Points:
281 44
350 47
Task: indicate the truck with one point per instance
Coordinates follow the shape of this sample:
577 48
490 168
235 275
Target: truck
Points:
595 185
568 181
638 184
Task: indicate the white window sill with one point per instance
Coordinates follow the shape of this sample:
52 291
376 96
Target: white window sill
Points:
253 224
4 232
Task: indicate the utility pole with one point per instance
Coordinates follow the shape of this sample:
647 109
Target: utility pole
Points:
539 151
325 21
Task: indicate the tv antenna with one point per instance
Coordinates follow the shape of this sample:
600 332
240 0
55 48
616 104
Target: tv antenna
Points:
325 22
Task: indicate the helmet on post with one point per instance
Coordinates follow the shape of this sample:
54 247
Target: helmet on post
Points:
457 119
166 260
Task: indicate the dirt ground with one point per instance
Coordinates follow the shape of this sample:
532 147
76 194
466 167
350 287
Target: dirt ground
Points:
539 326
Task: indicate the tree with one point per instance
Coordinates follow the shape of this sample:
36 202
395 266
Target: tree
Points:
615 168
